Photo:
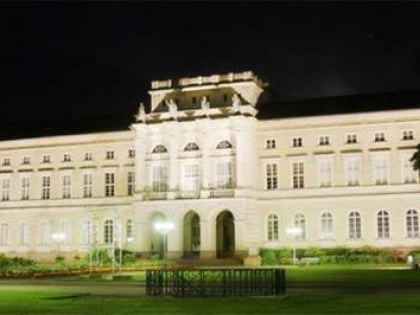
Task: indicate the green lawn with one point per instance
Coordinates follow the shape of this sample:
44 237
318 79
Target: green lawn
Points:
354 290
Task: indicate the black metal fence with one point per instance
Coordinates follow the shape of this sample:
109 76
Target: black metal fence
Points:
215 282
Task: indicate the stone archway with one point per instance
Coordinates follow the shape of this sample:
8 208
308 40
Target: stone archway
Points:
156 239
225 235
191 235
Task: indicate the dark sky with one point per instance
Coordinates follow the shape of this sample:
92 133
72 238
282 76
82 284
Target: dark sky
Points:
75 58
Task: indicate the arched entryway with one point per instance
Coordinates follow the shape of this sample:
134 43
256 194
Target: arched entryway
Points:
225 235
156 238
191 235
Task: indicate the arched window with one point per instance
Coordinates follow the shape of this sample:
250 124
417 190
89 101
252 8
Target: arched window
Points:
299 222
159 149
272 228
224 145
412 223
44 233
129 230
191 146
383 224
355 222
326 225
24 233
109 232
65 229
86 237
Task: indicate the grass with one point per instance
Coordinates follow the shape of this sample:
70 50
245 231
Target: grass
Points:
366 297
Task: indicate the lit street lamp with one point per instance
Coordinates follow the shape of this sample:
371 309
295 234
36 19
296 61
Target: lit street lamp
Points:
164 228
293 233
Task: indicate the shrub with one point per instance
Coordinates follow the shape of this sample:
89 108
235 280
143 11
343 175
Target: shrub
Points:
268 257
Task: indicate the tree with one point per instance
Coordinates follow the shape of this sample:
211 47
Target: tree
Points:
415 159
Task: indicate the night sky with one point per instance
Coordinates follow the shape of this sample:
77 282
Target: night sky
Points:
76 59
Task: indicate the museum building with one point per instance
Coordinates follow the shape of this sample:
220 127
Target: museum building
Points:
227 179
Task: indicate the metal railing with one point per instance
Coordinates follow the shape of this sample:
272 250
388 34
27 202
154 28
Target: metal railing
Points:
215 282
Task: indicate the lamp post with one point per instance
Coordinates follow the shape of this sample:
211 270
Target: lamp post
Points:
164 228
293 232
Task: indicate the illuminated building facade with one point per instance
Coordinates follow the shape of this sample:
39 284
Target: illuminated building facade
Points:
227 180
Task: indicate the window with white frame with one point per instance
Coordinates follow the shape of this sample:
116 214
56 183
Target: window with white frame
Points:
408 173
45 187
272 228
191 146
87 185
326 226
271 176
352 165
109 155
5 189
191 177
325 172
224 145
26 160
412 223
299 222
129 229
224 175
351 138
159 149
4 233
383 224
109 184
25 188
324 140
380 170
6 161
44 233
159 178
66 157
379 136
355 225
66 180
131 153
408 135
64 228
297 142
270 144
88 156
298 175
24 233
108 231
130 183
86 232
46 158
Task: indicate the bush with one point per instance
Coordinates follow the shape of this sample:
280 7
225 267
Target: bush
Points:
268 257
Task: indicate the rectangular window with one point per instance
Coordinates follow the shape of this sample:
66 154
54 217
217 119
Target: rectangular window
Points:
66 157
6 161
131 153
46 158
4 234
24 233
224 175
352 165
297 142
66 186
87 185
160 178
409 174
380 170
191 178
5 189
130 183
25 187
86 237
46 187
109 184
88 156
351 138
379 136
324 140
407 135
270 144
325 172
109 155
298 175
26 160
44 233
271 176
